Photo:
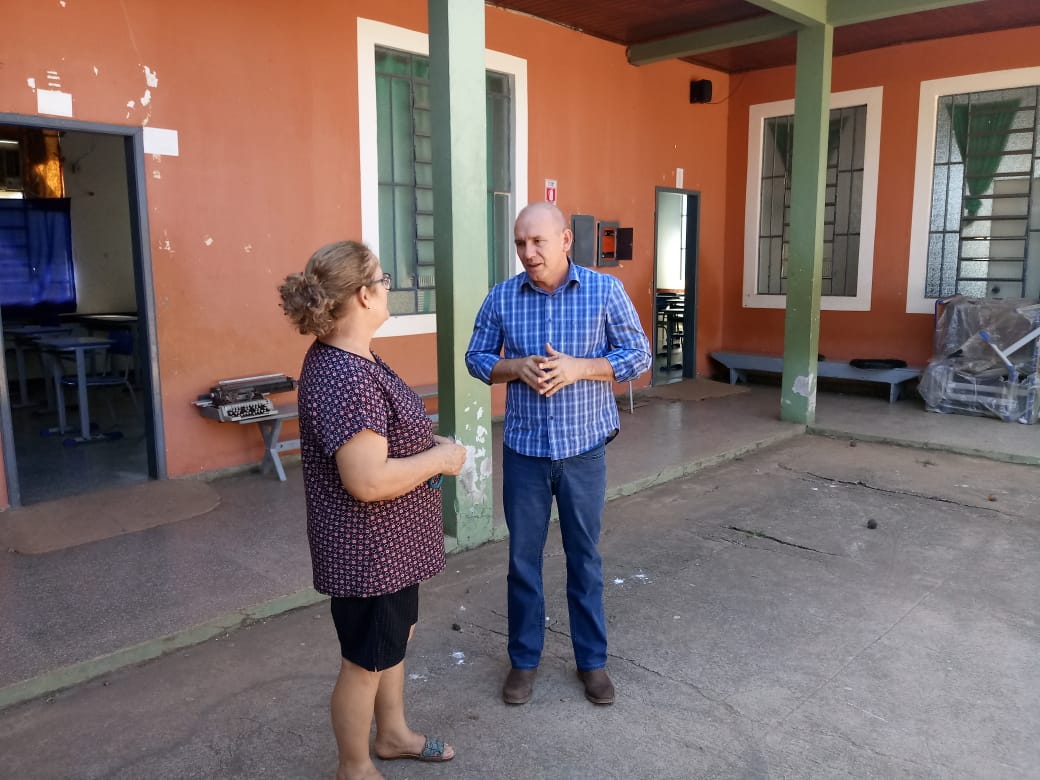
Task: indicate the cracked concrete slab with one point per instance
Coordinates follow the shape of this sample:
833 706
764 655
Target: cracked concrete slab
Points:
758 629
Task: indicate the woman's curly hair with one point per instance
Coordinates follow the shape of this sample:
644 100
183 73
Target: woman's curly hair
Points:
313 300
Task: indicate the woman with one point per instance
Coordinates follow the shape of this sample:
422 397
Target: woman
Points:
371 469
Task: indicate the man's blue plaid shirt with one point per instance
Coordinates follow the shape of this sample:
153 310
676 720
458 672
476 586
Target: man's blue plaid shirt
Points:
589 316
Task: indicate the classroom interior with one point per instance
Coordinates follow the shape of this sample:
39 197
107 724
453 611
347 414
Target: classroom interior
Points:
74 352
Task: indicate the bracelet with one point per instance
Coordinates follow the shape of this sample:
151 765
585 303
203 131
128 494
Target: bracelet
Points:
435 481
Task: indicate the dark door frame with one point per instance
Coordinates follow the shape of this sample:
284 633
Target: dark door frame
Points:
691 260
133 144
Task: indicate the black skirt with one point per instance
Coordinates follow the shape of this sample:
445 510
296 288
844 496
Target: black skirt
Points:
373 632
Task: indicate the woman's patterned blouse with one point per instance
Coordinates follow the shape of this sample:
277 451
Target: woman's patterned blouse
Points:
364 549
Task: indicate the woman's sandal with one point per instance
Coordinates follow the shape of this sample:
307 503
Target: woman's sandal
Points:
433 751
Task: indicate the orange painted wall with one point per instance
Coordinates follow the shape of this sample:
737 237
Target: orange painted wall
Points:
886 330
265 104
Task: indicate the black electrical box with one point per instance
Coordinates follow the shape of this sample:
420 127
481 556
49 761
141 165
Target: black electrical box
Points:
624 243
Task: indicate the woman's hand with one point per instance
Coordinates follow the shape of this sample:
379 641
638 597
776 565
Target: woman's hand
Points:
369 474
453 455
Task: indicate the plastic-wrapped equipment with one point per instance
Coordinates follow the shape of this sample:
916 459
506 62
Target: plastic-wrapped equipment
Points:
986 359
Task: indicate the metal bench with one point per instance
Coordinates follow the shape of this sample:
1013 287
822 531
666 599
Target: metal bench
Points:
271 431
740 363
424 392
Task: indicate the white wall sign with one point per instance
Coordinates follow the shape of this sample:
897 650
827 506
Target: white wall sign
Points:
159 140
53 102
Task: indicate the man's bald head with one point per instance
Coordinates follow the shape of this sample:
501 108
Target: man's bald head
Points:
544 208
542 241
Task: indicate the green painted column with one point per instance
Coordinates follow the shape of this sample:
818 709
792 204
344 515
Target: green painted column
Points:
459 117
805 246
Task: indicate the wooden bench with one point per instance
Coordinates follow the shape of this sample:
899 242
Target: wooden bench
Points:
739 363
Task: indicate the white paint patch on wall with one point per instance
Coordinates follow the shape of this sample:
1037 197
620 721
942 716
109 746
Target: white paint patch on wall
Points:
151 80
53 102
208 241
158 140
477 468
468 478
803 385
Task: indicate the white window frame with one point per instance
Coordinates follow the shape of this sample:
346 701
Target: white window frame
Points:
370 35
924 168
871 97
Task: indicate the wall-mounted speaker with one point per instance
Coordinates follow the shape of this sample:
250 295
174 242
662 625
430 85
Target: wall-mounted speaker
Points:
700 91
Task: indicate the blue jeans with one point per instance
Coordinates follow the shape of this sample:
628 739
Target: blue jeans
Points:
579 484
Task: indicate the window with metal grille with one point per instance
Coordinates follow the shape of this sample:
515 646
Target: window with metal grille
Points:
405 170
984 226
843 198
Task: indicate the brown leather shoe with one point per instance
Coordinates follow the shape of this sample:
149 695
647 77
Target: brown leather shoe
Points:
518 686
598 687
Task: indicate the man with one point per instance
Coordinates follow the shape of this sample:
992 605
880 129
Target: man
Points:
567 333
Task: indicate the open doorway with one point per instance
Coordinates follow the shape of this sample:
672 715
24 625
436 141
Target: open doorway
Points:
78 408
677 232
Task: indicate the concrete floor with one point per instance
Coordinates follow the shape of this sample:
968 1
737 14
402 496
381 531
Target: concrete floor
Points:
48 469
139 594
758 628
905 423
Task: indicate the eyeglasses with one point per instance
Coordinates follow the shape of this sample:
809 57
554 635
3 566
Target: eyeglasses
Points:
387 281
